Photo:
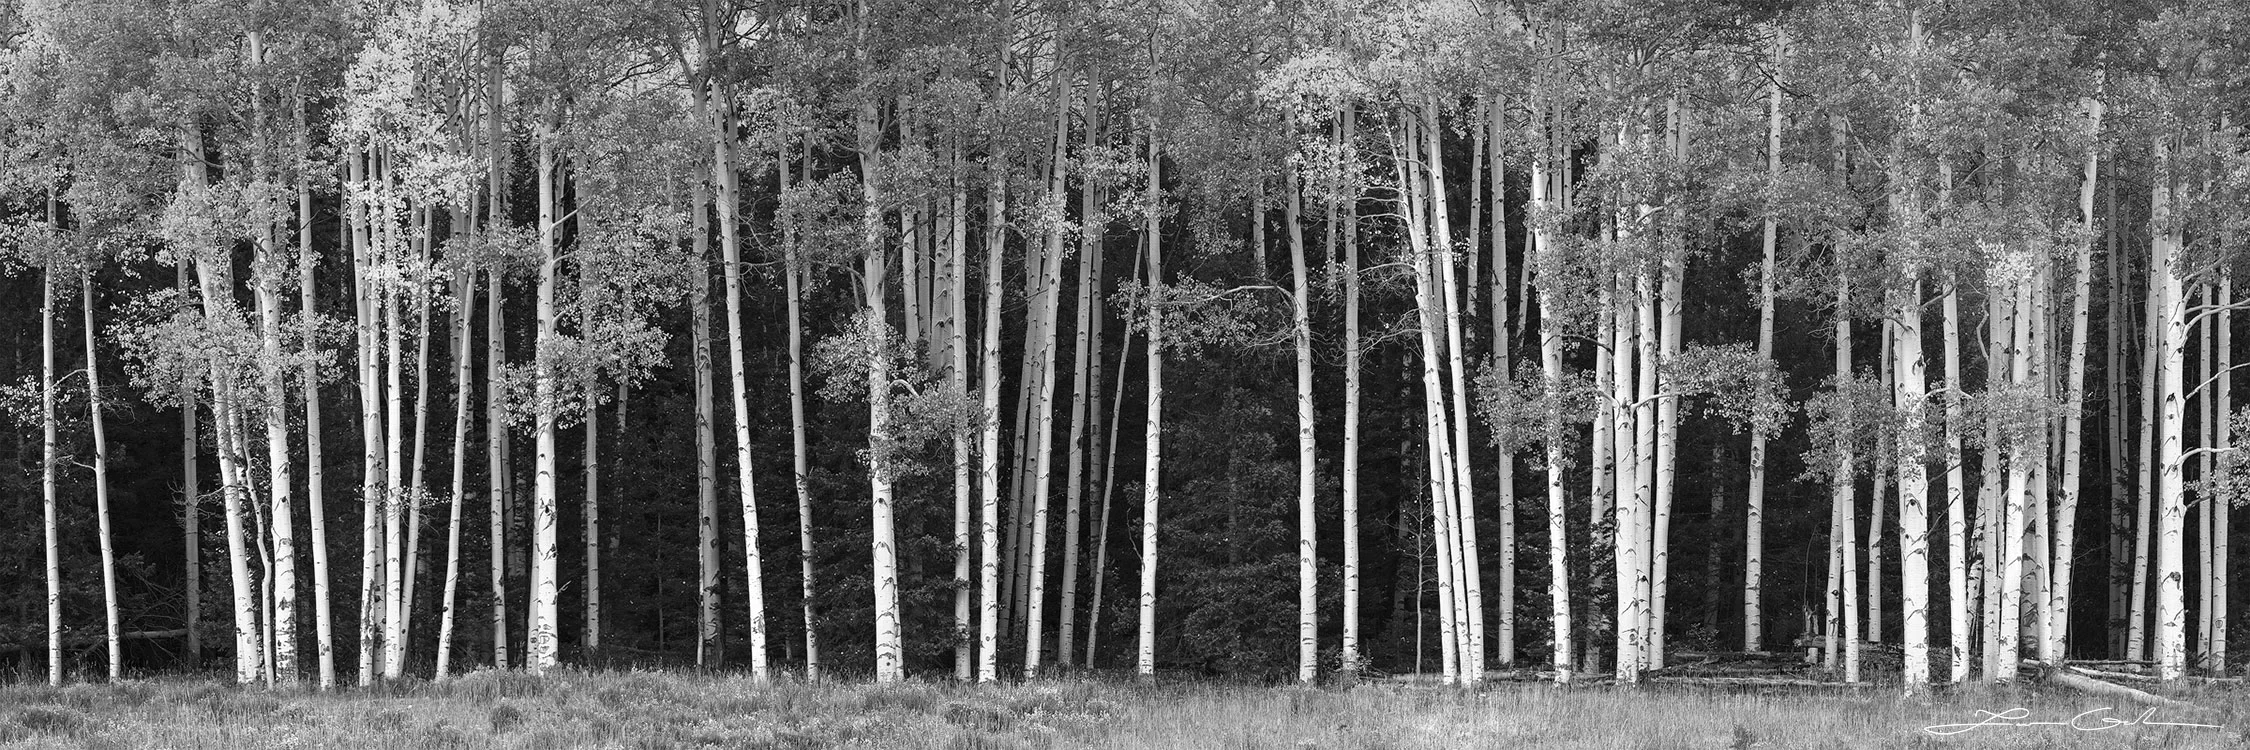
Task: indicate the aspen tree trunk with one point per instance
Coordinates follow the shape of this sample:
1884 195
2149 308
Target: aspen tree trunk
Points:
2206 437
216 283
2120 490
1911 396
592 519
370 428
2222 520
191 491
1464 508
2064 563
1085 381
1413 203
1504 362
709 649
2015 514
1049 312
1352 378
1550 360
1847 515
278 457
2152 326
1991 502
421 495
496 447
464 284
496 348
395 496
2166 285
542 640
1956 474
1109 484
889 657
730 248
1418 199
1754 505
1152 467
956 281
1631 518
317 513
1667 409
792 274
48 459
101 481
988 448
1308 575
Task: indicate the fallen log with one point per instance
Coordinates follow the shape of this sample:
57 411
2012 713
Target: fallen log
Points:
1785 682
2075 679
1727 656
88 641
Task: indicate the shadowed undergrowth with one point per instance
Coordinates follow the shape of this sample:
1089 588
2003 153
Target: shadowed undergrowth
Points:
653 710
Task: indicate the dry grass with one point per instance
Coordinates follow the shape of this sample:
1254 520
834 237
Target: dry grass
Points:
670 710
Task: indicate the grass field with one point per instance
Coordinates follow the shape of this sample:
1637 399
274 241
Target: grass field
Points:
675 710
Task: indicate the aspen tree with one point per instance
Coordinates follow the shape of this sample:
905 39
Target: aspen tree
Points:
730 250
464 285
1308 576
988 448
2074 397
113 643
1352 382
1049 268
1152 465
1754 508
496 348
956 292
2166 285
1085 410
542 638
1545 118
957 320
48 458
889 655
793 274
709 649
1504 362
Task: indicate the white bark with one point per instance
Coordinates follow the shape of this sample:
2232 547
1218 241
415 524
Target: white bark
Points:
1152 468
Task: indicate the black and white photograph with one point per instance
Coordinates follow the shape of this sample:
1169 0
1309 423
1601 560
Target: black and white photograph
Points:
1058 374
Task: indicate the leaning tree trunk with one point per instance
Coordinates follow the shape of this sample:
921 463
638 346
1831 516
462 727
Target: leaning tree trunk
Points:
101 483
464 282
730 248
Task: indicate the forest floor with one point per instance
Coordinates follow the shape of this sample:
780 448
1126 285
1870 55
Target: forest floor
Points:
678 710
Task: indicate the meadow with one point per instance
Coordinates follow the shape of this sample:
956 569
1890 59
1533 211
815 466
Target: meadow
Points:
657 710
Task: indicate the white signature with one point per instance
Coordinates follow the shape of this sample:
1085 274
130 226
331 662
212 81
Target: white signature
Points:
2090 720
